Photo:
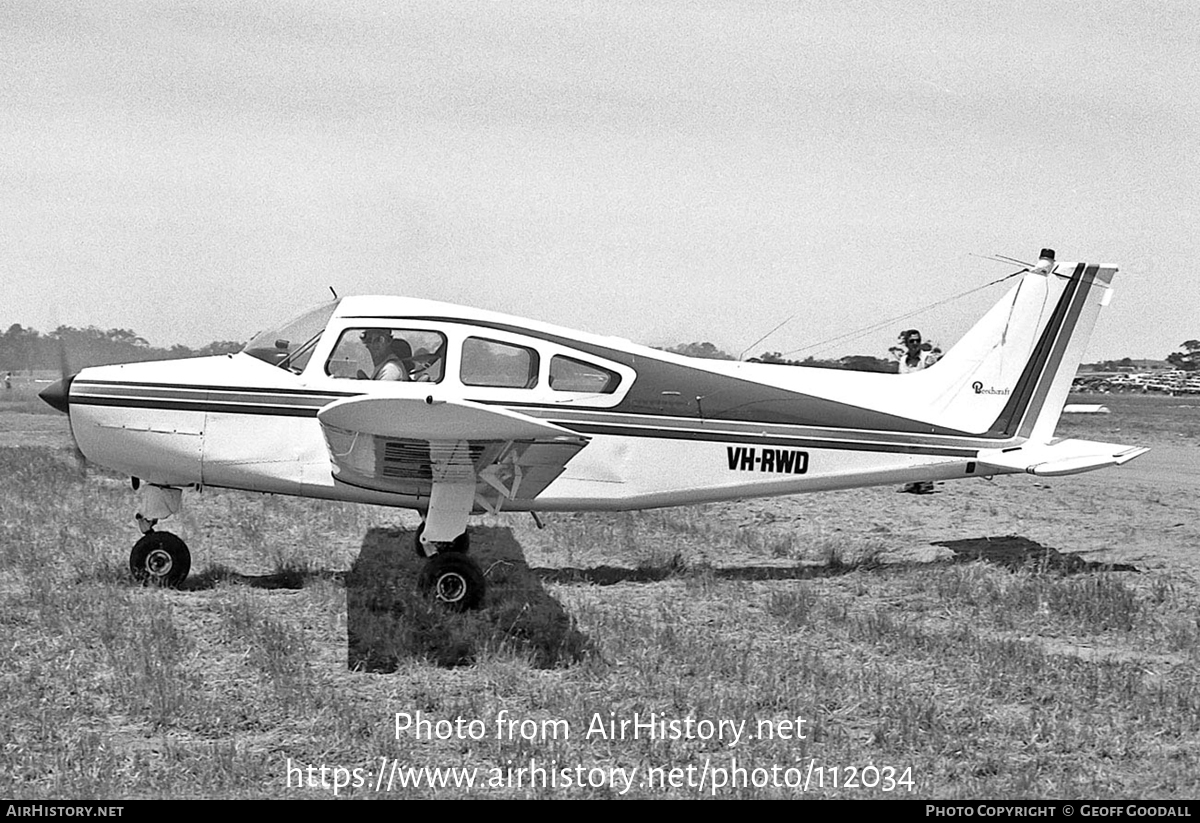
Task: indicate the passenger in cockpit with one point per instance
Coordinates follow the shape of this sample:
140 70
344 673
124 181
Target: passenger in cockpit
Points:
427 366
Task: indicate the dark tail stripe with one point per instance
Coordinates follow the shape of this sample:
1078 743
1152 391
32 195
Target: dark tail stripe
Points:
1050 373
1008 421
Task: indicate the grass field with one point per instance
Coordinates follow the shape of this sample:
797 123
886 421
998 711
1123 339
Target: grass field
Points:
867 643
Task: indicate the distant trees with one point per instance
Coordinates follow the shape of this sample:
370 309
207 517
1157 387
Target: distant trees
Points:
854 362
706 350
865 362
214 348
18 348
23 349
851 362
1189 358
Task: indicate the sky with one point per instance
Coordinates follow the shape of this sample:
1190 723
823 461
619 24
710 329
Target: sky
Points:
663 171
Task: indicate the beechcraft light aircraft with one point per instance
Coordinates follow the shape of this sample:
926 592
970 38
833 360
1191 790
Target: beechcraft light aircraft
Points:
455 411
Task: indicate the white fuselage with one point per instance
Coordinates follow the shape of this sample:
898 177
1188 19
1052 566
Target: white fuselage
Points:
649 428
241 424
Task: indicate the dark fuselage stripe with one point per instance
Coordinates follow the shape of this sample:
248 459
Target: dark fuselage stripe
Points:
573 425
761 440
191 387
147 396
567 417
196 406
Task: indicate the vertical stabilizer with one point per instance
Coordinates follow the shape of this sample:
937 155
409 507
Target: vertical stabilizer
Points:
1009 376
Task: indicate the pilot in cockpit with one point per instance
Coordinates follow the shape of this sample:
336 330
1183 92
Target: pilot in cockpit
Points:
391 357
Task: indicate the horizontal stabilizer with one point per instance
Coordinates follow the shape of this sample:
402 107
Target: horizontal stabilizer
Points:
1058 459
421 419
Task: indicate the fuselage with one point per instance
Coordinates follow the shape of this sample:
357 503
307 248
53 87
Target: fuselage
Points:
661 429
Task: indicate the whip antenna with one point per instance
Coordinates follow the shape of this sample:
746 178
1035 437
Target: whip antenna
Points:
765 336
855 333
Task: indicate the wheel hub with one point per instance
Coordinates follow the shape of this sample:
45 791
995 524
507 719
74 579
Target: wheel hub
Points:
451 587
159 563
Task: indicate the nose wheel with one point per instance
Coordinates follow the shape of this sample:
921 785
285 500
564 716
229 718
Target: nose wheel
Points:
160 559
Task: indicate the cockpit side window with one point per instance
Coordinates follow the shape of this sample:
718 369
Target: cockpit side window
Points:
291 345
496 364
385 353
569 374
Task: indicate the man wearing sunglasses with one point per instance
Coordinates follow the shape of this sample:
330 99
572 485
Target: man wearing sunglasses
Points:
391 357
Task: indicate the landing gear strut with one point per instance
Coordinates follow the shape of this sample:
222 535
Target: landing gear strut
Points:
461 544
160 559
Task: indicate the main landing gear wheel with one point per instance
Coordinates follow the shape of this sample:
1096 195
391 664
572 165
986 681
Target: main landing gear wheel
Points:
461 544
160 559
454 580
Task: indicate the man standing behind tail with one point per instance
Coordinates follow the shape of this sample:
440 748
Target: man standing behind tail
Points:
915 355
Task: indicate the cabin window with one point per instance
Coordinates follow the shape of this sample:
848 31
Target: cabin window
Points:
385 353
496 364
569 374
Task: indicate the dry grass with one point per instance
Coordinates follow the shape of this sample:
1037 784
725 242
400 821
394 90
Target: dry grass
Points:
298 641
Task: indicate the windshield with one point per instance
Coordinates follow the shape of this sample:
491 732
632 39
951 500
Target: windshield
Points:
290 345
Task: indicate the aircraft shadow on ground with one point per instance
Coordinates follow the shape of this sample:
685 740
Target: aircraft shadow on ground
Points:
388 622
611 575
1011 551
1016 552
288 579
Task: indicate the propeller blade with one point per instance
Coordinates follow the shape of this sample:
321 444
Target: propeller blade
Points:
58 395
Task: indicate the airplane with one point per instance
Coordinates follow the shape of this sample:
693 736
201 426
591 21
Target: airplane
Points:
485 412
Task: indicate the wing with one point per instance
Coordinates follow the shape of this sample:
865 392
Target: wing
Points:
1061 458
456 453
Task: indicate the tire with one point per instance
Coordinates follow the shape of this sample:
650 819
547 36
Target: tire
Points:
461 544
453 580
160 559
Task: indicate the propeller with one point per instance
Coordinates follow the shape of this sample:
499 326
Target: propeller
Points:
58 396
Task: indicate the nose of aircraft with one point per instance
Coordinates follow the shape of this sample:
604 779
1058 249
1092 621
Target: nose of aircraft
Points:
58 394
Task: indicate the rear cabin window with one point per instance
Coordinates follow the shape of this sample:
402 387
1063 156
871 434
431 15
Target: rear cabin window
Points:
569 374
404 355
499 365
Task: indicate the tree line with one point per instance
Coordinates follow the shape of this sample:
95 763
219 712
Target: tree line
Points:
23 349
1187 359
853 362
